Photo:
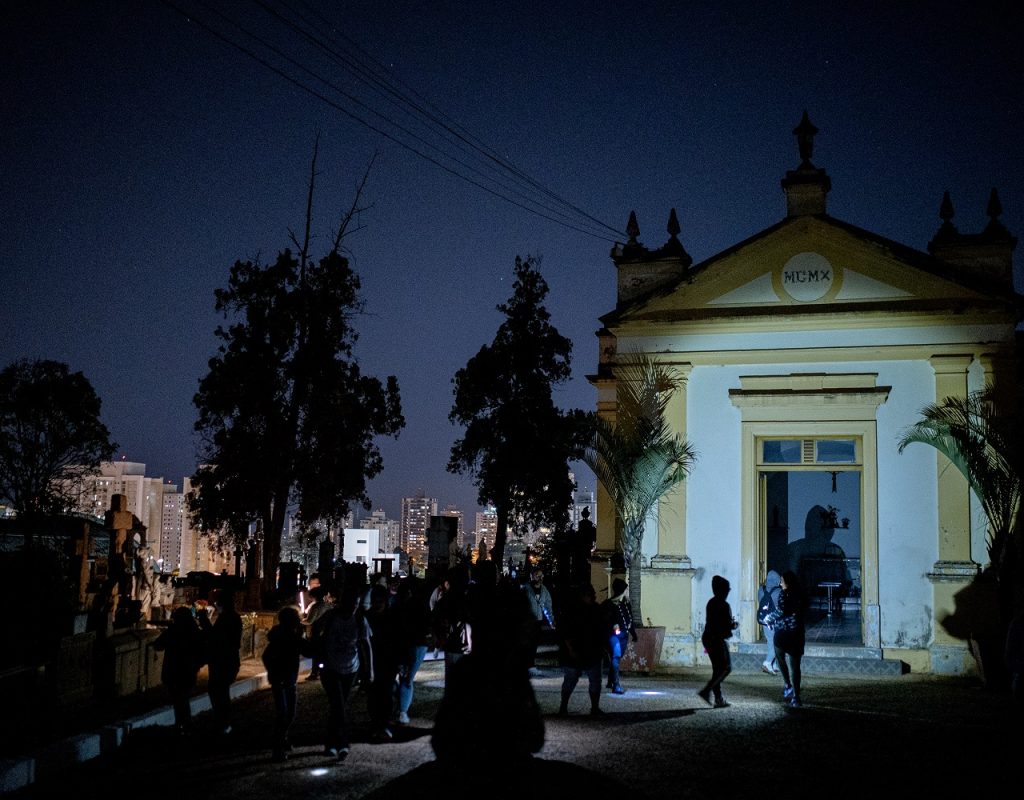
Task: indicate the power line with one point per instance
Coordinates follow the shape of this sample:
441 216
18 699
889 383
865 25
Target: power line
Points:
454 128
357 102
541 209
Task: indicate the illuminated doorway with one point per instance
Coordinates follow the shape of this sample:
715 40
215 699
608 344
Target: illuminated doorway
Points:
810 522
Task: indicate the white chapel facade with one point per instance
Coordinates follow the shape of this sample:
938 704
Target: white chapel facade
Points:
807 350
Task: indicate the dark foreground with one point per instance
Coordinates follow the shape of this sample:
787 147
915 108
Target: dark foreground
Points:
855 737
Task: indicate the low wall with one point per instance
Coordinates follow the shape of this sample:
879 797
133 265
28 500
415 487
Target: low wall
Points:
87 666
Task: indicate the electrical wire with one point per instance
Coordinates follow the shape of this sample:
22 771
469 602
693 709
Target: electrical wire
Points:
378 78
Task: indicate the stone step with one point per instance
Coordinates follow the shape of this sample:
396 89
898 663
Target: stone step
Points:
816 662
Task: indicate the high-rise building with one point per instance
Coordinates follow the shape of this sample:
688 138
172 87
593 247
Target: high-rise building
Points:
486 528
390 529
416 514
92 493
172 525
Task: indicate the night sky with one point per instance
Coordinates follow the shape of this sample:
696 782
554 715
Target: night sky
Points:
143 153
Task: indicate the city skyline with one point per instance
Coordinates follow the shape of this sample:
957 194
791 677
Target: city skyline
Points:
149 146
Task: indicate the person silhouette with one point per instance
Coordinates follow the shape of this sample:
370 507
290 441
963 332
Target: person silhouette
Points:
182 645
223 641
286 644
718 627
582 632
788 620
582 546
489 715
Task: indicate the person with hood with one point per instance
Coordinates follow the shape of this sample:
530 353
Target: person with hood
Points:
771 590
788 620
619 615
718 627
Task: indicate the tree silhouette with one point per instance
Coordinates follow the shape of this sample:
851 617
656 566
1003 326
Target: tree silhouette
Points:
517 444
50 437
287 418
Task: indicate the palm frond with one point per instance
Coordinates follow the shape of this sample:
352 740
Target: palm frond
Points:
979 442
639 458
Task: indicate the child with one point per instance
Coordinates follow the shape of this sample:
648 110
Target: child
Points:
718 628
285 646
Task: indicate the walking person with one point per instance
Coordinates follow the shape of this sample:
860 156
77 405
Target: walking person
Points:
583 646
789 621
718 627
344 637
542 608
618 614
323 601
767 602
436 631
286 644
385 643
182 646
223 643
414 630
452 622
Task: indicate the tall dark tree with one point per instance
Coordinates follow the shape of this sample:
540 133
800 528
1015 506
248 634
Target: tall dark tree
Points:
287 418
50 436
517 444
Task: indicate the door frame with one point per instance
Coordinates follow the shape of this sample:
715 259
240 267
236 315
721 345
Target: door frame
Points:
801 406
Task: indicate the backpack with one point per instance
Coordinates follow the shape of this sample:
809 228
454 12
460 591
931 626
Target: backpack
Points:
765 607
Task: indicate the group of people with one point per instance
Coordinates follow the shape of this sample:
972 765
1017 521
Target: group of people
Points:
590 635
784 625
193 640
374 636
378 637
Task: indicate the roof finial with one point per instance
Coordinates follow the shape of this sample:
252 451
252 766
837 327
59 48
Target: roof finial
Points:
995 208
805 139
995 229
673 224
632 228
946 209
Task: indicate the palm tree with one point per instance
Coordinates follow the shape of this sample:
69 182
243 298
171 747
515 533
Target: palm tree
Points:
982 444
638 458
986 446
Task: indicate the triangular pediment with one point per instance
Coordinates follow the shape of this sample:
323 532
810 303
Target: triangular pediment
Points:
814 265
808 276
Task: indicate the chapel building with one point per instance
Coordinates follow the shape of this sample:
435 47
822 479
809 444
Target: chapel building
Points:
807 351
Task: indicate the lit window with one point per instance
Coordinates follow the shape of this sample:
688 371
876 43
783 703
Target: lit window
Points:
836 451
782 451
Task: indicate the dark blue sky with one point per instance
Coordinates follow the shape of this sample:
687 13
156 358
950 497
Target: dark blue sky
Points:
142 155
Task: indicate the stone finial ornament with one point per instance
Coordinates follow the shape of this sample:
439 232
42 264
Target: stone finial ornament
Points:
805 132
632 228
673 224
